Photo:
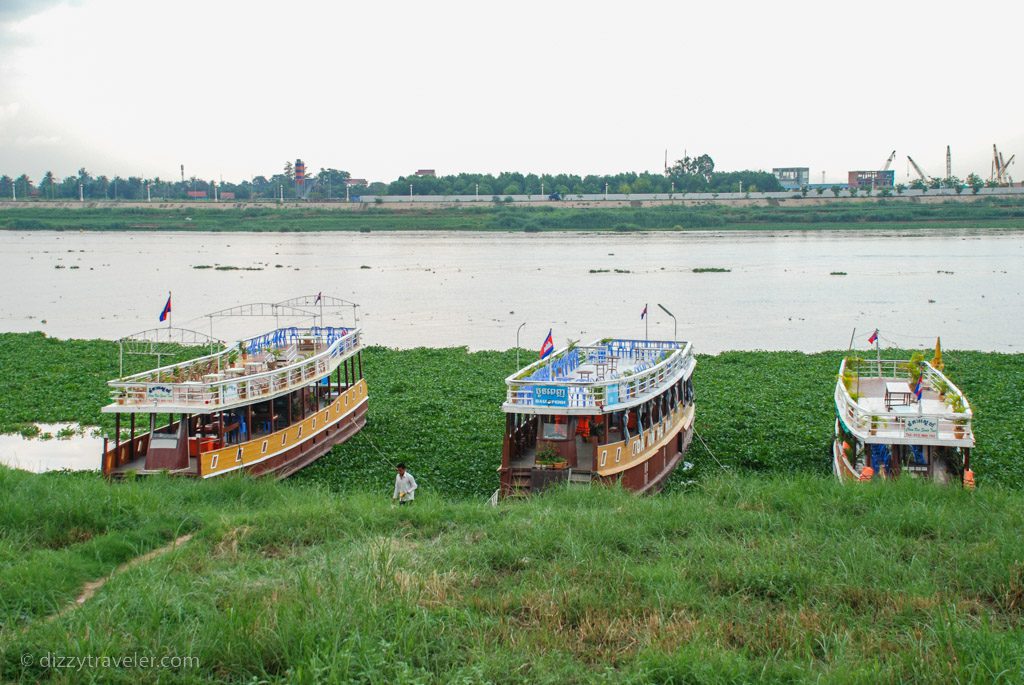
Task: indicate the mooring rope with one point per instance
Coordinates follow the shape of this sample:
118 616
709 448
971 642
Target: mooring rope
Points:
720 464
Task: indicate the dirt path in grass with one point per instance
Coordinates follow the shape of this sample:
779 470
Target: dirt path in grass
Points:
90 588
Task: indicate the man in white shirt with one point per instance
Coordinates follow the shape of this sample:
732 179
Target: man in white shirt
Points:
405 486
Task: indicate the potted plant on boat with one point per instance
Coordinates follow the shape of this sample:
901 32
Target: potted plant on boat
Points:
959 406
942 387
914 367
232 358
548 456
876 422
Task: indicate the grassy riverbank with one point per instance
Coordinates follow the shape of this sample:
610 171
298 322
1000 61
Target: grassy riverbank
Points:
438 410
735 580
893 214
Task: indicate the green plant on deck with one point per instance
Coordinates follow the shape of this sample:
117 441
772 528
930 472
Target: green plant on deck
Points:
547 455
942 387
913 367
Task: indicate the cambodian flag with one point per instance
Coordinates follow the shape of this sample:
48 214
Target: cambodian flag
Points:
167 309
319 296
919 388
548 346
643 314
874 336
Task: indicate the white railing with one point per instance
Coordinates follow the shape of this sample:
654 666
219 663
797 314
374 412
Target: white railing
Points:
950 426
142 391
609 392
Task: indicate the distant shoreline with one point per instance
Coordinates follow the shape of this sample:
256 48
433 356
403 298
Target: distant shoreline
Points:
813 213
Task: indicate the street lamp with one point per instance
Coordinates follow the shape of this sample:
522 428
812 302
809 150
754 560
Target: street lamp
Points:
517 342
675 325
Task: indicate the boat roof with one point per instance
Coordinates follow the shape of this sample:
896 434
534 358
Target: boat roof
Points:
878 404
609 374
251 370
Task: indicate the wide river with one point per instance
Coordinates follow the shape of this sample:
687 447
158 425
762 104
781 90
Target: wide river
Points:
452 288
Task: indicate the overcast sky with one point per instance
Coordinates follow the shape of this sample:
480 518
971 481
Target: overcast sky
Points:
234 88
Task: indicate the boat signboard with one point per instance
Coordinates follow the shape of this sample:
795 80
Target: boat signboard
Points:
551 396
923 427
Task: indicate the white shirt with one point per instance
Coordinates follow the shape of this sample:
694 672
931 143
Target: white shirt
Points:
405 485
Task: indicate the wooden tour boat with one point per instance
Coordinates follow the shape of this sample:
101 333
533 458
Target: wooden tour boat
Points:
884 430
614 410
270 404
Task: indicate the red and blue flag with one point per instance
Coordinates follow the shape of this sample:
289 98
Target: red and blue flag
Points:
919 388
167 309
643 314
874 336
548 346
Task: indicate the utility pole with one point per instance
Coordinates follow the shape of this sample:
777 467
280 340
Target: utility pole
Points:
949 163
149 196
81 193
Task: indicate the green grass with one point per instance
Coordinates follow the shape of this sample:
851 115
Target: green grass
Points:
736 580
439 410
892 214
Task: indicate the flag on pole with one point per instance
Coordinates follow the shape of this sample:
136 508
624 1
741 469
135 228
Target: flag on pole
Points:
318 296
167 309
919 388
874 337
643 314
548 346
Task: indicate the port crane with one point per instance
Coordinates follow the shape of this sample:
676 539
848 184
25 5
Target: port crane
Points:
1000 167
888 162
917 169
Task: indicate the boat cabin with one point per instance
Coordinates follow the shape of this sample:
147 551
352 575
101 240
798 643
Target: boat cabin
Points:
888 424
614 410
267 404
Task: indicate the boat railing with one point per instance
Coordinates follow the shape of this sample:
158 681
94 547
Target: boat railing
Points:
229 391
949 425
600 393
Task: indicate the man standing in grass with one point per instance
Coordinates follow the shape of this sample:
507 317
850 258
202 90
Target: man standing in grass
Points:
405 486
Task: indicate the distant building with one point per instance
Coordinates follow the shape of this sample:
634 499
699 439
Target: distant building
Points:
793 177
227 195
872 179
197 194
426 172
356 182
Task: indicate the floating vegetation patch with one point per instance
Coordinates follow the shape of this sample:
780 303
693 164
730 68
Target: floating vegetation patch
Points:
837 273
711 270
940 271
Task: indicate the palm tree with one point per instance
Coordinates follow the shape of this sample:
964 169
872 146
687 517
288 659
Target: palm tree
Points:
48 182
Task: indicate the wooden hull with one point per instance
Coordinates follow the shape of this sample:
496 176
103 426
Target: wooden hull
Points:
280 453
661 450
641 465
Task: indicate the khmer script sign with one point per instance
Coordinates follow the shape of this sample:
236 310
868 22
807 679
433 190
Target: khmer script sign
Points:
551 396
922 427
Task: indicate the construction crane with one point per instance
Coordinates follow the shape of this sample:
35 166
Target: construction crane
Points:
1000 167
917 169
888 162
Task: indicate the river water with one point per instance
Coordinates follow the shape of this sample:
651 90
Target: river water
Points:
452 288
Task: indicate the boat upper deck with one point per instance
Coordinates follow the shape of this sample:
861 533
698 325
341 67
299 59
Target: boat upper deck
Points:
876 402
606 375
254 369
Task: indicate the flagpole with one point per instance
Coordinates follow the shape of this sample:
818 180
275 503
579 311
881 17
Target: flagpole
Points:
646 322
878 351
170 313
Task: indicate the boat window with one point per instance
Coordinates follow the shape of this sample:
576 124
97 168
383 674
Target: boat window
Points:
556 428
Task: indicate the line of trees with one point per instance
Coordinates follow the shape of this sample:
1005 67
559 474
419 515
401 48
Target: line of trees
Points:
688 175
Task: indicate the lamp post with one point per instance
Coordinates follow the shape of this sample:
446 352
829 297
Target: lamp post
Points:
517 342
675 325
